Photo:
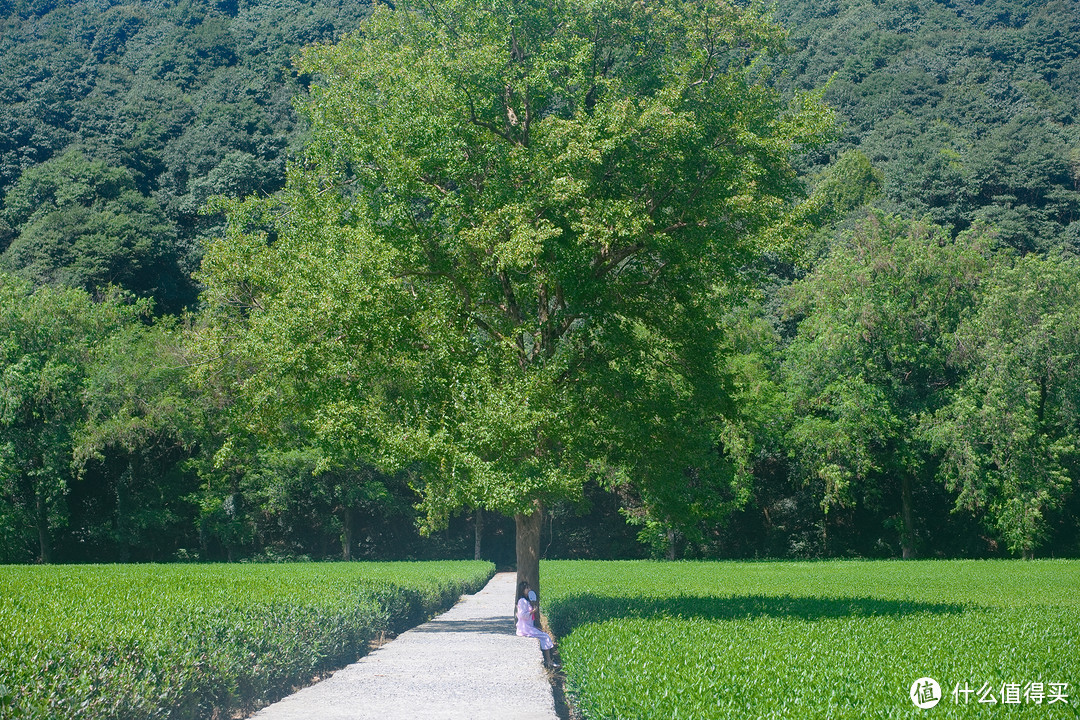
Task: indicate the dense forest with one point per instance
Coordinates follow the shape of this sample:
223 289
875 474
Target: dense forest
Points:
907 384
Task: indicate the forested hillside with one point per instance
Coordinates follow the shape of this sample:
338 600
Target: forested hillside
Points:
967 108
907 385
174 101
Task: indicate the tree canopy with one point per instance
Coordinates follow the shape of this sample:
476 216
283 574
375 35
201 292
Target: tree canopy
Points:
967 108
1009 432
534 208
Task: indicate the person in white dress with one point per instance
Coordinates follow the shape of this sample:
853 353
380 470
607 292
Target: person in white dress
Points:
527 611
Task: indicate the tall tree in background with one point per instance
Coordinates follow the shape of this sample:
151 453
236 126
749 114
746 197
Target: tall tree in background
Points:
503 252
48 343
142 422
1010 436
870 359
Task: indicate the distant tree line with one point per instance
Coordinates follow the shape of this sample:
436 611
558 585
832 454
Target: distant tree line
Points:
907 385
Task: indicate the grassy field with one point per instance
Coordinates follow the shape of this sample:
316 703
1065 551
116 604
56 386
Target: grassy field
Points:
817 640
195 641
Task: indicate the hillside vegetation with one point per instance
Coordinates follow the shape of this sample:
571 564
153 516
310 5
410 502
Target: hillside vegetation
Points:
967 108
174 101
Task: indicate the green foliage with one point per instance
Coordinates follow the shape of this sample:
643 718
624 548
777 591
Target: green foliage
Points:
190 98
97 422
199 641
542 212
142 425
847 184
836 639
81 223
870 357
967 108
51 339
301 487
1009 434
684 516
502 253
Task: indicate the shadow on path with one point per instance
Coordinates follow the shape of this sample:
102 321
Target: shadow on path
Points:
568 613
489 626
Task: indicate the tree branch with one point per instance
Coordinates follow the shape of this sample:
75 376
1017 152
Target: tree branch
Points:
606 260
490 127
513 311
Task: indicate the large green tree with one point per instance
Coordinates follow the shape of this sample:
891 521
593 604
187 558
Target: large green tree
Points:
502 254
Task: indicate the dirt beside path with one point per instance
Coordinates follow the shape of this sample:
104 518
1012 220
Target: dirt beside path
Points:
466 663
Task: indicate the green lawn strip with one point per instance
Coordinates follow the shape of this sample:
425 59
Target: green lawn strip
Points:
816 640
189 641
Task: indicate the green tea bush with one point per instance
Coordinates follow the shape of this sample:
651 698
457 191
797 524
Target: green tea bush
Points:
199 641
816 640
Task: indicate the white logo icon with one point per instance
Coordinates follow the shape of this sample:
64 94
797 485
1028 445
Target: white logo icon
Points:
925 693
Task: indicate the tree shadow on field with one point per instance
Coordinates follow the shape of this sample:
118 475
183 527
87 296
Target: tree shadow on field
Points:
570 612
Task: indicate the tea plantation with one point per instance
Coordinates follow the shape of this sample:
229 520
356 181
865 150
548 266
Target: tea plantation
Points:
819 639
193 641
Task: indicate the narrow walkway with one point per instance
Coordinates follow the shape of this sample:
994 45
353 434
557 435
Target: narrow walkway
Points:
465 664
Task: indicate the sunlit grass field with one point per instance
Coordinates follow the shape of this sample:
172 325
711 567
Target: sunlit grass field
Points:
843 639
198 641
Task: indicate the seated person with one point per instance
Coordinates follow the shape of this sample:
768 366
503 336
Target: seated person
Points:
527 608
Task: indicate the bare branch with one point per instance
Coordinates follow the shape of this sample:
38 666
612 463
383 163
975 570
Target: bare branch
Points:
435 14
429 181
652 276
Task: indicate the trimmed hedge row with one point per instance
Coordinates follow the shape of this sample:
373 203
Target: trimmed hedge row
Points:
199 641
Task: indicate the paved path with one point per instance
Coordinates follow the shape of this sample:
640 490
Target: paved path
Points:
465 664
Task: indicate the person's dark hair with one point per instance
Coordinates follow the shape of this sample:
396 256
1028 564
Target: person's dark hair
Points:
523 587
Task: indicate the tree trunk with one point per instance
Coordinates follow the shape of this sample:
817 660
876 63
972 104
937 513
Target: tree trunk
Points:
527 535
346 534
123 511
825 534
479 533
670 543
44 543
907 535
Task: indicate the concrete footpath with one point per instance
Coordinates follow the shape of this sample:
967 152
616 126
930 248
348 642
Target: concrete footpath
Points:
466 663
